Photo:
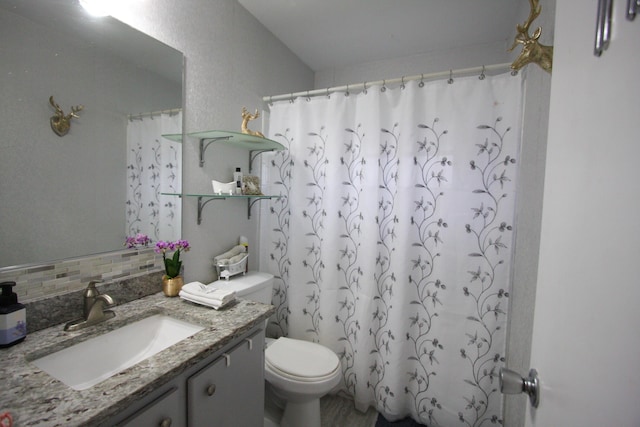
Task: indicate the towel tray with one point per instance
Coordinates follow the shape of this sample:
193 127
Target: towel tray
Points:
226 271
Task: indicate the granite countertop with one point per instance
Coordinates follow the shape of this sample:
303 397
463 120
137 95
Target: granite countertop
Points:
36 399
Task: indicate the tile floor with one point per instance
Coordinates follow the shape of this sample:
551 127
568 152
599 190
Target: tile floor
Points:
340 412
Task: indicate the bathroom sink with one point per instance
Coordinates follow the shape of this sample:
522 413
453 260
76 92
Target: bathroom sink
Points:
85 364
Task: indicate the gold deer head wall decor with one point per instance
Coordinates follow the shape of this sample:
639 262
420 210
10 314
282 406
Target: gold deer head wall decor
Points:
532 50
246 117
61 123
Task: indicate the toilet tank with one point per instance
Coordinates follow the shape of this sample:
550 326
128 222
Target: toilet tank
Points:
254 286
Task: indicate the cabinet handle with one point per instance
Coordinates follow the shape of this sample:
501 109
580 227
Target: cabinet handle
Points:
211 389
228 358
250 341
166 422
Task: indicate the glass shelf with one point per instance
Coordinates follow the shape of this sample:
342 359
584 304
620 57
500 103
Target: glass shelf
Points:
176 137
203 199
255 144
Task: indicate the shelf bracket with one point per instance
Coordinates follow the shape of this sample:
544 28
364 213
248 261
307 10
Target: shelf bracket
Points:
252 201
202 203
253 154
203 146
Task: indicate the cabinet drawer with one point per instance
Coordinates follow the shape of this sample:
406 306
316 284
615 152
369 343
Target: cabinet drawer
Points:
164 411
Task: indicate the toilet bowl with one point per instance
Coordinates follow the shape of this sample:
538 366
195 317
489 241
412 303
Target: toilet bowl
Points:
297 372
300 373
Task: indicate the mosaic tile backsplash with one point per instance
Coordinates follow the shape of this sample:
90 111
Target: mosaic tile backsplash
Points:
38 281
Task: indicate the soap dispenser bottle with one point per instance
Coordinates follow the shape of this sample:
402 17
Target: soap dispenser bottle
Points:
13 316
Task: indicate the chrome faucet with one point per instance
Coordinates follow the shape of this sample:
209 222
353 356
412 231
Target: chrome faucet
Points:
93 311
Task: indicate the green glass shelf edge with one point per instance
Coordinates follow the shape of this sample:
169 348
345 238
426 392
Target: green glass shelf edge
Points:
177 137
222 196
243 140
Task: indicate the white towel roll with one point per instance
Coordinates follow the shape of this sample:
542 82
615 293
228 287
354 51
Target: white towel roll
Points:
236 250
236 259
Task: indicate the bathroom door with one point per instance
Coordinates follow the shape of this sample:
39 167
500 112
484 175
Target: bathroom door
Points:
586 338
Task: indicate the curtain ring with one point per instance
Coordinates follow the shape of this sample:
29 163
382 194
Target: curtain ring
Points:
365 88
514 72
402 86
291 98
450 81
328 96
421 84
384 86
482 75
308 97
347 92
271 100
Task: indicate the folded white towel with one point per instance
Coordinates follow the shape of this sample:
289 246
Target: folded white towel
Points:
208 292
204 301
193 286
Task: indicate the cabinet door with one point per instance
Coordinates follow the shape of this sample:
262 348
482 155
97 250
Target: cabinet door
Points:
165 411
230 391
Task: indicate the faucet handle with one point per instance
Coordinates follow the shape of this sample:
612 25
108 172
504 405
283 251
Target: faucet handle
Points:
91 290
89 296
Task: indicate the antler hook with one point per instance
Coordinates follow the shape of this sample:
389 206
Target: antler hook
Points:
61 123
532 50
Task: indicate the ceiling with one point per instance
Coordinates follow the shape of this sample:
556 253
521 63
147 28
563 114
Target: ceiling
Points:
338 33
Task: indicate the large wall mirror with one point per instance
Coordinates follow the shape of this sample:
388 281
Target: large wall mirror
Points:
65 197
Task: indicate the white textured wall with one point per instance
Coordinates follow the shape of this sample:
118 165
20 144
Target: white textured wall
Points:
529 214
231 62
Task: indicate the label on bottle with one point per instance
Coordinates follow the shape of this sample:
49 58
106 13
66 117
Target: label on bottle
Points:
13 326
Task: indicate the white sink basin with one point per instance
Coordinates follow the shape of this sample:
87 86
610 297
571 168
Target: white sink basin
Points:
87 363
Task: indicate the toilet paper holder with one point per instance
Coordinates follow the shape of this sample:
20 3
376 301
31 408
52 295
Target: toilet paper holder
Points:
512 383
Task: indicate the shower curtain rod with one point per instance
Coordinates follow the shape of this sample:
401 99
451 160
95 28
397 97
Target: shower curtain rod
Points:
139 116
450 73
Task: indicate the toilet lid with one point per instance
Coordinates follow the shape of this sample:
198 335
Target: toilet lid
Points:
301 359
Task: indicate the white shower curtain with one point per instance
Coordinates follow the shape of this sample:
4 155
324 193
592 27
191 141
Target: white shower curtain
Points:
391 242
153 167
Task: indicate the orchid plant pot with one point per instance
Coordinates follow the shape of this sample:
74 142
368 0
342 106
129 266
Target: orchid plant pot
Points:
171 287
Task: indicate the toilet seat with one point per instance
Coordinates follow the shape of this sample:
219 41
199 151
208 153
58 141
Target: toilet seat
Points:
301 360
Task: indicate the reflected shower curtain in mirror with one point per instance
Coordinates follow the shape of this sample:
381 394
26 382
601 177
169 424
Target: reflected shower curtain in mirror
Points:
392 240
154 166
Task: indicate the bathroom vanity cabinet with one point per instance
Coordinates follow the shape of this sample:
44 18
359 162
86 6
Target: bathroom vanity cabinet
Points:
226 389
173 384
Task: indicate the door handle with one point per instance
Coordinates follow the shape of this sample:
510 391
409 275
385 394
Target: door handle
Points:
512 383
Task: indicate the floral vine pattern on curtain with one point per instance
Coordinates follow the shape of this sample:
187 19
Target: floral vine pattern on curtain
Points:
154 167
391 242
425 347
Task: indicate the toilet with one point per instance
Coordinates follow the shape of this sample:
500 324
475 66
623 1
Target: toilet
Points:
297 373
